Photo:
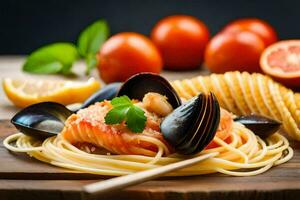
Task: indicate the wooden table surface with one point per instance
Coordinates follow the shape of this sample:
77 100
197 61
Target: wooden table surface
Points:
22 177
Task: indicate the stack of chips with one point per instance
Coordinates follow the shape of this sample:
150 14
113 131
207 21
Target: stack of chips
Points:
243 93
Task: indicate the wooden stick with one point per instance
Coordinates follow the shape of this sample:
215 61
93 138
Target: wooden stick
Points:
103 187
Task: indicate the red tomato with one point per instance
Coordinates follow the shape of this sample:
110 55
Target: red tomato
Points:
234 51
126 54
181 40
257 26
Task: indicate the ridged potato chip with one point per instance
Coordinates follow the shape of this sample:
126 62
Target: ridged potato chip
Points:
199 85
220 88
236 92
244 93
230 96
289 101
258 97
180 90
263 83
287 120
250 98
297 98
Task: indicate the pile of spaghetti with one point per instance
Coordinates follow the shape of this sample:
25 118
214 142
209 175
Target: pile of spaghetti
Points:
246 152
242 154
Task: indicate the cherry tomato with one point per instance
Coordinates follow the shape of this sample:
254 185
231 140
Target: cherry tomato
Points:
181 40
257 26
126 54
234 51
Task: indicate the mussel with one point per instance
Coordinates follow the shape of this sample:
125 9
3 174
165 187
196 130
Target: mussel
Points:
107 92
46 119
138 85
41 120
190 127
260 125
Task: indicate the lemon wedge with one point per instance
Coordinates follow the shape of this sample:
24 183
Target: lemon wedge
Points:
23 92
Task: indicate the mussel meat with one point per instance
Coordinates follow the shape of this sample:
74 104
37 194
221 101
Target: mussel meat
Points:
260 125
191 127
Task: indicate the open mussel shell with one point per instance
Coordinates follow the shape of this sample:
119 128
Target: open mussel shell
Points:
41 120
260 125
46 119
138 85
108 92
190 127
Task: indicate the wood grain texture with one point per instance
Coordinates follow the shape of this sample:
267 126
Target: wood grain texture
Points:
22 177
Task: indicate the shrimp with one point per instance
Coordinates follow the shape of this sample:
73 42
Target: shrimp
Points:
157 103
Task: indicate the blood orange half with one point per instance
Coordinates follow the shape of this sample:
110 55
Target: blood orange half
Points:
282 62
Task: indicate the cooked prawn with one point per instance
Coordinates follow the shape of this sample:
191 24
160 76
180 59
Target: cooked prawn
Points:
157 103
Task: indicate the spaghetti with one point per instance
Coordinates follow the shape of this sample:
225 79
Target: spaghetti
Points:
245 155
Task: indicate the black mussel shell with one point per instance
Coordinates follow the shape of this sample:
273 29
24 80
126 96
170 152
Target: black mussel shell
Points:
260 125
138 85
190 127
46 119
41 120
108 92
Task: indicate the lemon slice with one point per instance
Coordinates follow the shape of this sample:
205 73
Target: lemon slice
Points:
23 92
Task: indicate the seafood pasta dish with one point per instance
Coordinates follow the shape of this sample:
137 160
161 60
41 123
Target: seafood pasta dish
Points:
151 122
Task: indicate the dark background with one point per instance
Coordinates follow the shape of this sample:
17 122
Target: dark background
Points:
28 24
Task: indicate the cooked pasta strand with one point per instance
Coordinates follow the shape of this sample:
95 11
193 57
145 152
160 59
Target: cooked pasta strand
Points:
245 155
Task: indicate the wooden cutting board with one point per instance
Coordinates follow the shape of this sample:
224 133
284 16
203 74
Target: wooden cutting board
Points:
22 177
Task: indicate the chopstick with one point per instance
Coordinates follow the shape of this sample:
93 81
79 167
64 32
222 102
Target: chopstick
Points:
101 188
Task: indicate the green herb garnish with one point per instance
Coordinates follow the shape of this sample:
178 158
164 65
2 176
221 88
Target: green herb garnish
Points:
90 40
58 58
51 59
124 110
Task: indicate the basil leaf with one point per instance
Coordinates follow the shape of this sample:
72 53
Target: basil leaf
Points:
116 115
124 109
91 62
122 100
136 119
51 59
90 40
